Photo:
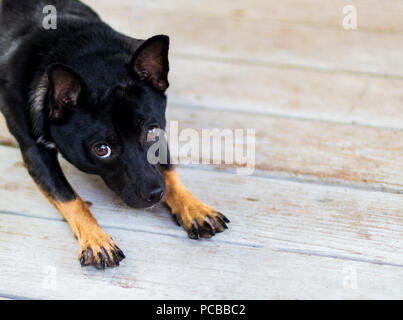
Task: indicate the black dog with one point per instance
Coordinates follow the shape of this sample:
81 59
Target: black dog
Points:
98 97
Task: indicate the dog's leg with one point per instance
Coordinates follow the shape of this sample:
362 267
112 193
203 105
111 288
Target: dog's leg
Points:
95 246
198 219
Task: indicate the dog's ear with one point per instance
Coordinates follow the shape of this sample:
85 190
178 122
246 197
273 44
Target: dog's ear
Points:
65 88
150 62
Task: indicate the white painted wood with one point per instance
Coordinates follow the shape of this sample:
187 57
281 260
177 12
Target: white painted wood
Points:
265 42
284 237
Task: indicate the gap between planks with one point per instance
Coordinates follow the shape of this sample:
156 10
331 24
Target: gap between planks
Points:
272 115
230 243
105 226
342 237
302 179
285 176
338 257
106 203
282 66
218 241
290 251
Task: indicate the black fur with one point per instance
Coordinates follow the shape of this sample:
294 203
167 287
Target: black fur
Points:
83 83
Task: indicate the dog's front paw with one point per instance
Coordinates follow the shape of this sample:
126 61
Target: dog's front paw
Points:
100 251
198 219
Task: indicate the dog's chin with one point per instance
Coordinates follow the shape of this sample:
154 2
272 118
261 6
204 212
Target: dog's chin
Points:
139 204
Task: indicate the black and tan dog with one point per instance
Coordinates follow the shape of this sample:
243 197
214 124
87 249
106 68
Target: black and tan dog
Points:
97 97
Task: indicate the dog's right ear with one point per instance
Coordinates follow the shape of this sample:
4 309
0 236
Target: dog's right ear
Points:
150 62
65 87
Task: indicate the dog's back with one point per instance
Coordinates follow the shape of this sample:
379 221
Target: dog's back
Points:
21 19
16 14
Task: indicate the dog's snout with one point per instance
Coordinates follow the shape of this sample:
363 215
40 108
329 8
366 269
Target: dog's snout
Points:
155 195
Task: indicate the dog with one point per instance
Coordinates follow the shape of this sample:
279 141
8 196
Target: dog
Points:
98 98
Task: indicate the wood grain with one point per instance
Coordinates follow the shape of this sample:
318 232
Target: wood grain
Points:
324 203
301 94
284 92
374 15
331 152
326 151
264 42
278 229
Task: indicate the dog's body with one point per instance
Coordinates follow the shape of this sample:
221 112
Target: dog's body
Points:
97 97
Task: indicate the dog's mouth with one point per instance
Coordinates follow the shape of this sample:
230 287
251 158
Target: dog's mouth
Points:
137 202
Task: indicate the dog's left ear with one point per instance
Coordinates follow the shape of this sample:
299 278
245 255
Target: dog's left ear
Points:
150 61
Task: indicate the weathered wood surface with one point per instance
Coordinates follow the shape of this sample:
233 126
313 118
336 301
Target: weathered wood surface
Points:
324 206
341 98
374 15
264 42
5 137
329 152
284 236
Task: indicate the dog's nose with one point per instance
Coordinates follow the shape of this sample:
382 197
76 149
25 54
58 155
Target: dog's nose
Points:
156 195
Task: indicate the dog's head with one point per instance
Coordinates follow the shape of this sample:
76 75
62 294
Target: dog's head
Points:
104 123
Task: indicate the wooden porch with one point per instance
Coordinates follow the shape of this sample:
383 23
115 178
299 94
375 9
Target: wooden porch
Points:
321 217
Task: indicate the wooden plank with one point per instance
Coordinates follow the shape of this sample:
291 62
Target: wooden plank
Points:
40 263
43 265
293 93
304 94
330 152
5 137
261 207
284 92
284 236
375 15
271 42
326 151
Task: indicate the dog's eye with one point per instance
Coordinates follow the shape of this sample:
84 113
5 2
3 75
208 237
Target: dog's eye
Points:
102 150
153 134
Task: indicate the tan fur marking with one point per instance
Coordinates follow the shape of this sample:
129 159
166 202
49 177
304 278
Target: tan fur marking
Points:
92 239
